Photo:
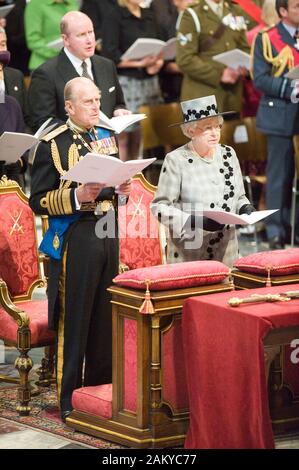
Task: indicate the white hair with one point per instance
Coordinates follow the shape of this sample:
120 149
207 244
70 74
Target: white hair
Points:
186 127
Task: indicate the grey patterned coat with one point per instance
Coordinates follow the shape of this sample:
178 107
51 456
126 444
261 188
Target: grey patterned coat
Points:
188 182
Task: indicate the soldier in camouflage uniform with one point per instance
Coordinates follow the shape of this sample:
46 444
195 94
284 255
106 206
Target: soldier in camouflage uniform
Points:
202 33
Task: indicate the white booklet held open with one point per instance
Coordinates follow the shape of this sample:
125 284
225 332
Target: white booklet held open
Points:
234 59
5 10
104 169
56 44
150 46
223 217
119 123
14 144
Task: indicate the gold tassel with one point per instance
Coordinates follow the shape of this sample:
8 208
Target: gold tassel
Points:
231 280
147 307
268 282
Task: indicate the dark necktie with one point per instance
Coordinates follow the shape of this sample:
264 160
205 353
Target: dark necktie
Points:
296 37
84 70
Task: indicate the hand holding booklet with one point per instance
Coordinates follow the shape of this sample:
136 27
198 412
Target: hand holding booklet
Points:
14 144
104 169
119 123
223 217
143 47
234 59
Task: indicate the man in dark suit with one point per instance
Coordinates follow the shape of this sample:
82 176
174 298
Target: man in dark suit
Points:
48 80
13 78
276 50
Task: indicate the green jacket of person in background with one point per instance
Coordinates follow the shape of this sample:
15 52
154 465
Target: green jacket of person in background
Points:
42 25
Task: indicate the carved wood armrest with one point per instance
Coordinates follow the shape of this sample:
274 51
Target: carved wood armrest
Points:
16 313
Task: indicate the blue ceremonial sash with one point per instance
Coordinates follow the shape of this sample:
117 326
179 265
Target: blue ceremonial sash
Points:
52 242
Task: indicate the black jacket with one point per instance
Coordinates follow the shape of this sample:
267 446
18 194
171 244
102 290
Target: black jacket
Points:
45 94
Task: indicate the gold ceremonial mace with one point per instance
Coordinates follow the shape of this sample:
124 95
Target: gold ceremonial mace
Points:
282 297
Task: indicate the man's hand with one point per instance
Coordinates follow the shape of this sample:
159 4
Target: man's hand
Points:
88 192
121 112
243 71
229 76
124 189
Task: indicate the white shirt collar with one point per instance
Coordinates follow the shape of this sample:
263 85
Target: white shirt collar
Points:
77 63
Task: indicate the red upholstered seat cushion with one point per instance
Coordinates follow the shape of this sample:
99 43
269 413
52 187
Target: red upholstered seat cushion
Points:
279 262
174 276
37 311
96 400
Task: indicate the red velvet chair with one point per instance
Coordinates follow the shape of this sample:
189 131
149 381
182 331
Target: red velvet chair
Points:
139 230
23 321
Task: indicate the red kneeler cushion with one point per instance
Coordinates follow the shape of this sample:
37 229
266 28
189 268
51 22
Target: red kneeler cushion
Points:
278 262
96 400
174 276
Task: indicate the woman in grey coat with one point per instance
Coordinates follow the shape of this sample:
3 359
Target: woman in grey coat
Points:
200 175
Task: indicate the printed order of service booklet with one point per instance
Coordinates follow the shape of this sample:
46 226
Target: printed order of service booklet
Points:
104 169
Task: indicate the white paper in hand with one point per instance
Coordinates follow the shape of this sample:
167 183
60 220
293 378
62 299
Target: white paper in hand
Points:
14 144
104 169
119 123
56 44
223 217
5 10
143 47
240 134
234 59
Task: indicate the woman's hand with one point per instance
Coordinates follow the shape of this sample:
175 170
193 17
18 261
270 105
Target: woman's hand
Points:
154 69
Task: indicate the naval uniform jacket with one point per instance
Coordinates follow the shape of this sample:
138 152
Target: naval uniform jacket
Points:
50 195
187 181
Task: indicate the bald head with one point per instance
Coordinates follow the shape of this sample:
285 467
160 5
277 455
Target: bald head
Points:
78 34
74 87
82 101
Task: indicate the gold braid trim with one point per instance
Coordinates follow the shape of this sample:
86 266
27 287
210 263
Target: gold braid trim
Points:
284 59
56 158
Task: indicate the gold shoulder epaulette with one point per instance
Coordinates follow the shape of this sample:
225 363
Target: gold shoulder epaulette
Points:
55 133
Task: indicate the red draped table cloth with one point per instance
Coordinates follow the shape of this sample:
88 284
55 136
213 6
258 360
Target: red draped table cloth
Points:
226 378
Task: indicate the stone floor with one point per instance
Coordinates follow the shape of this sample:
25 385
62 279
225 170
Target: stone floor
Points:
16 436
